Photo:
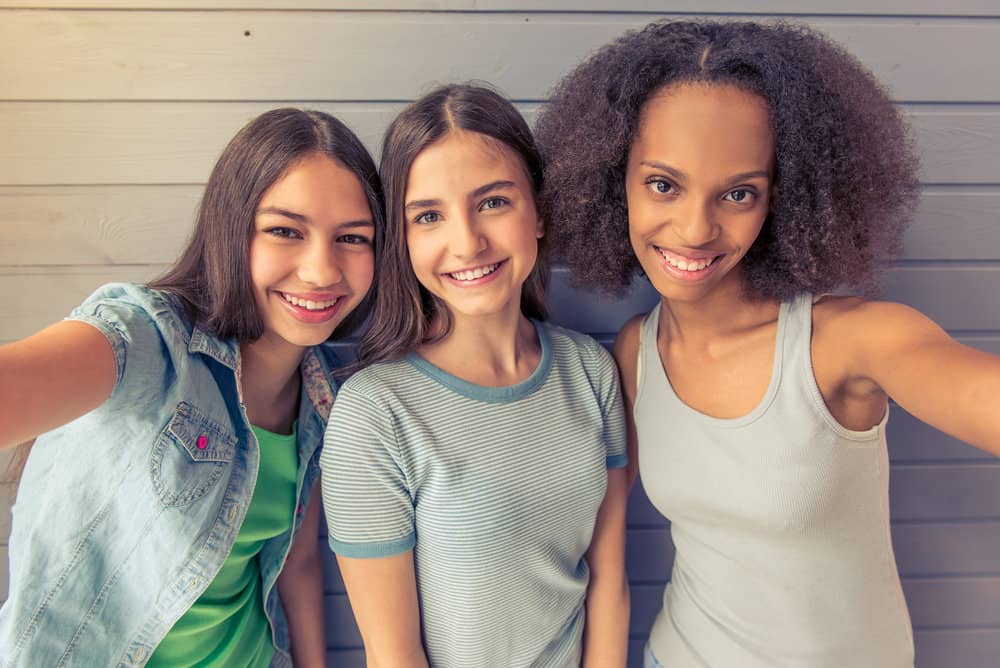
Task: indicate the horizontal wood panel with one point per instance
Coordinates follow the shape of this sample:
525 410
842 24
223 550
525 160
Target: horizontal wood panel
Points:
111 143
87 225
956 297
822 7
911 440
204 55
345 658
957 648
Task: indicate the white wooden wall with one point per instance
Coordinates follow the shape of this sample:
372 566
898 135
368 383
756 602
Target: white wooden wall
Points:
113 111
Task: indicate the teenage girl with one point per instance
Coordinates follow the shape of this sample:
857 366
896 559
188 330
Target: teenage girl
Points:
473 476
748 171
166 514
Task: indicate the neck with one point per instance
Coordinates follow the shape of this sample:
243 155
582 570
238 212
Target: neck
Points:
270 381
720 313
497 350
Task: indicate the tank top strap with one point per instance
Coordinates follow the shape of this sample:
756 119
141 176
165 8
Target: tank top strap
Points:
648 358
797 335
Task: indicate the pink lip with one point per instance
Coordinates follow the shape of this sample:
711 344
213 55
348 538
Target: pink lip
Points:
476 281
684 275
313 317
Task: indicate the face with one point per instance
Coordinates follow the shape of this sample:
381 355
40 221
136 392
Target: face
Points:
698 186
472 228
311 253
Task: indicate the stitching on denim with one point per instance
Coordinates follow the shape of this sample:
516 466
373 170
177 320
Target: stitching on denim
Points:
173 436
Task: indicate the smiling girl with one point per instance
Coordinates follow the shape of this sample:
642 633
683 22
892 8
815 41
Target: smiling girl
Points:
748 170
473 475
167 513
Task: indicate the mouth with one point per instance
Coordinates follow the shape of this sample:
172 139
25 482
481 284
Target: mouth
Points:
689 267
311 311
475 274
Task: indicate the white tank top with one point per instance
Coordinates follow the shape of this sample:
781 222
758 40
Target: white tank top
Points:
780 520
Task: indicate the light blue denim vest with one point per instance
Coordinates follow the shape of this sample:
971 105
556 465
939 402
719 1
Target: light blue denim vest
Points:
126 514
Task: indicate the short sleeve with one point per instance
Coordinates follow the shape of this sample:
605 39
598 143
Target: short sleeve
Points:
128 316
368 505
612 407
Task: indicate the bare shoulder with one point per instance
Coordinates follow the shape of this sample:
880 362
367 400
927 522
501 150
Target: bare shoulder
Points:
853 319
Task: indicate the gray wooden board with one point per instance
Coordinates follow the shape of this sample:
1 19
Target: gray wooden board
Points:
802 7
111 142
187 55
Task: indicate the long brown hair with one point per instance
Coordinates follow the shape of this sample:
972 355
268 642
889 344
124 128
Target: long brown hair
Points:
404 309
212 276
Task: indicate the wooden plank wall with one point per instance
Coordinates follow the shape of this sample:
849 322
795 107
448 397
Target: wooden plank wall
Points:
113 112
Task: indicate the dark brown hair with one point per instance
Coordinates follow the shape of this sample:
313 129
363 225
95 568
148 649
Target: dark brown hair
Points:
404 309
845 182
212 276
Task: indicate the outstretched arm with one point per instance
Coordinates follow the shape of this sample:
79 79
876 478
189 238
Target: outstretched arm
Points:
383 593
947 385
300 586
52 377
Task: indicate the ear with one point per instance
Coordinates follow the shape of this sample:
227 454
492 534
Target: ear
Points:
539 228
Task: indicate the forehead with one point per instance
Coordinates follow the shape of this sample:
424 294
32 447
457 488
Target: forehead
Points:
705 123
463 159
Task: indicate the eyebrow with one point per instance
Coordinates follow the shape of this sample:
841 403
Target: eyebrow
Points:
680 176
278 211
481 190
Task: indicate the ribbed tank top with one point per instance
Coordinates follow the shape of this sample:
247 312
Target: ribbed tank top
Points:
779 518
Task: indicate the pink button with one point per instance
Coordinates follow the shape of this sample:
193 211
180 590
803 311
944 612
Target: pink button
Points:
202 442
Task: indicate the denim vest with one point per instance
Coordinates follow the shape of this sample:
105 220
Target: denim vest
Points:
125 515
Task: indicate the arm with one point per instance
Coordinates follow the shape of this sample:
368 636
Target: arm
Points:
605 636
626 352
383 593
300 586
947 385
52 377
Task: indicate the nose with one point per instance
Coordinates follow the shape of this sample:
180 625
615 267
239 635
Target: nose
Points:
466 239
695 225
319 265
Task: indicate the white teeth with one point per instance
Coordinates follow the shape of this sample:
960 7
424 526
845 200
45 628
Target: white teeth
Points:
473 274
308 304
684 265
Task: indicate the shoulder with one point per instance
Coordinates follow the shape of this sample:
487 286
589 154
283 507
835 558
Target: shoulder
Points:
379 381
576 344
854 318
626 351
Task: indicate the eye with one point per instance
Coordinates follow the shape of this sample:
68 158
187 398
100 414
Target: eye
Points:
493 203
283 232
353 239
427 217
740 195
660 185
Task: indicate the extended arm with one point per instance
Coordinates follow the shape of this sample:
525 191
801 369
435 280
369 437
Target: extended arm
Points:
383 593
605 636
300 586
947 385
52 377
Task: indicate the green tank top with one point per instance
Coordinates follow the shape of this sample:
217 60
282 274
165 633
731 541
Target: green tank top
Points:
226 626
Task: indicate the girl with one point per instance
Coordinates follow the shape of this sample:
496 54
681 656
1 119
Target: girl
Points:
747 170
473 476
182 422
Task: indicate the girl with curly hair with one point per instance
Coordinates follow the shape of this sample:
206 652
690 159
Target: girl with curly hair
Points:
749 170
168 513
474 473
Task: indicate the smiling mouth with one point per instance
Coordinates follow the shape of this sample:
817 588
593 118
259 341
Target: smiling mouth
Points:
685 263
473 274
309 304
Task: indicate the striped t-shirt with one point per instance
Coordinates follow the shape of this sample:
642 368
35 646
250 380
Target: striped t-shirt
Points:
496 490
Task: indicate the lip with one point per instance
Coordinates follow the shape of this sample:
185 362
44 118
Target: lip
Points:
688 255
475 282
312 317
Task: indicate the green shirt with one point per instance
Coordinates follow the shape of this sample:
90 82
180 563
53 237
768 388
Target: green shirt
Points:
226 626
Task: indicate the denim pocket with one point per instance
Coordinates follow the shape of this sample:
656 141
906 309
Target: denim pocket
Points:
189 456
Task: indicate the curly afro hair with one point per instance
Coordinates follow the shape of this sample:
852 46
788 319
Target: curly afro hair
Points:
845 182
